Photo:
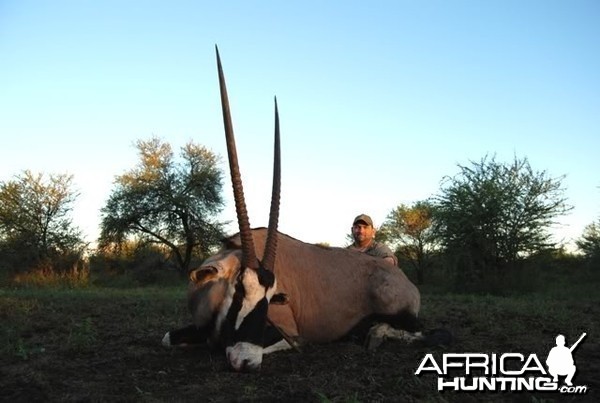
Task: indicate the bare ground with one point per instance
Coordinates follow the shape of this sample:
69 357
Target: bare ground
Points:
104 345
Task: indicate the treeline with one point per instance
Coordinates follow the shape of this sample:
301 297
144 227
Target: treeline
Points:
490 219
488 225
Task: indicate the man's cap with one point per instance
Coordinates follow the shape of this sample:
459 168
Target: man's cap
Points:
364 218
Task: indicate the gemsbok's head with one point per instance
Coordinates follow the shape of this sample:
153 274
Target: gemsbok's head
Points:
235 285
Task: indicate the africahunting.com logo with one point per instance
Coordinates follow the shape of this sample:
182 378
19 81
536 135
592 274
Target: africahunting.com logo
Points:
507 372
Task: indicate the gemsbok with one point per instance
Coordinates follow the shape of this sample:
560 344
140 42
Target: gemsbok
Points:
266 291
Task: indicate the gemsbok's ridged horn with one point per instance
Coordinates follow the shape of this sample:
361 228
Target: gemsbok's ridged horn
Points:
271 243
248 252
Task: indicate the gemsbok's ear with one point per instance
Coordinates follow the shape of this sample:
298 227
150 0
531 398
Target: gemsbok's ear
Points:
202 274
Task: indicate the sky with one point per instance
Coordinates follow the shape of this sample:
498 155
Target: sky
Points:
378 100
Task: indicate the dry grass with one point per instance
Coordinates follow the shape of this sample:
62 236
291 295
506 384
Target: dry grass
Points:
76 277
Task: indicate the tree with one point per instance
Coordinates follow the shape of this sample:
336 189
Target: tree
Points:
168 201
409 230
490 214
589 243
35 223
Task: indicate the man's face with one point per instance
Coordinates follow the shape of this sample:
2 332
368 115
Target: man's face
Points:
362 233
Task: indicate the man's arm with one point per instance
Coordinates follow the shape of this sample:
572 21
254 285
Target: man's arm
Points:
383 251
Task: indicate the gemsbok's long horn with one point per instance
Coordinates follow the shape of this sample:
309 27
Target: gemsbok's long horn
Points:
271 243
248 252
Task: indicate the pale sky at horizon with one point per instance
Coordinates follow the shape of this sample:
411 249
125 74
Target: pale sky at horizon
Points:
378 100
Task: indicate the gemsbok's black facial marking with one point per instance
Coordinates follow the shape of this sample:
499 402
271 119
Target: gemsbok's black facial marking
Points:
251 329
248 326
227 333
266 278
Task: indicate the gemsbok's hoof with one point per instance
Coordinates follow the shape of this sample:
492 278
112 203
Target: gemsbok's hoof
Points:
166 340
